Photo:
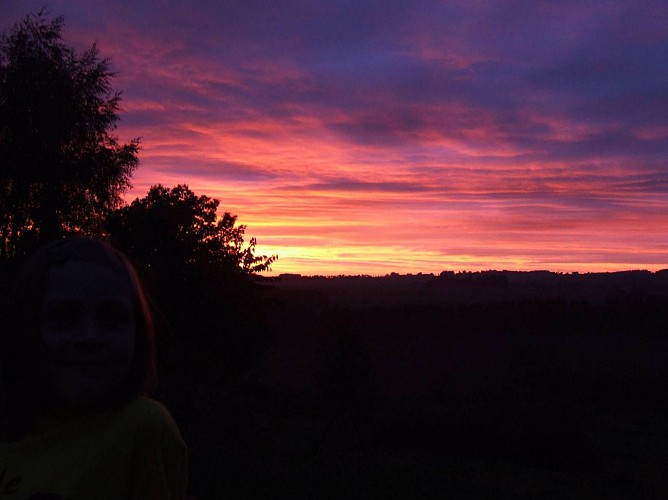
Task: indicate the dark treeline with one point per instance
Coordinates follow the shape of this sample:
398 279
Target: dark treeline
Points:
463 385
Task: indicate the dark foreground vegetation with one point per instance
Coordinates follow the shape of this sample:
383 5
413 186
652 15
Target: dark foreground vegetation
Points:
481 385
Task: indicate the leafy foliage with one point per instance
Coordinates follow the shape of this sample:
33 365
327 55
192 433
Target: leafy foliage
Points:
177 226
61 168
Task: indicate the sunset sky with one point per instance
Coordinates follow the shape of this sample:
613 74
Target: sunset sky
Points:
366 137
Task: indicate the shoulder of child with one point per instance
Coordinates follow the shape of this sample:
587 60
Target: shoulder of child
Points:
160 452
147 413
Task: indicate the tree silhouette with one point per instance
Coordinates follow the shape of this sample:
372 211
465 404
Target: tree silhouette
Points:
198 271
175 228
61 168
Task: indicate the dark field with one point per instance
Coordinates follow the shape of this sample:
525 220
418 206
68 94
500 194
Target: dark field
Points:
487 385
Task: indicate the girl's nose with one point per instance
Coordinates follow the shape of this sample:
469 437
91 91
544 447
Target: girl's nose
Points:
90 334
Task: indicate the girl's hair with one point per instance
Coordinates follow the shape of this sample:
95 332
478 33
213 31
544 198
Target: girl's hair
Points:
22 356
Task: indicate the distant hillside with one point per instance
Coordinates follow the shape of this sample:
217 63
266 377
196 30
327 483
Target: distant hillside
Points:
477 287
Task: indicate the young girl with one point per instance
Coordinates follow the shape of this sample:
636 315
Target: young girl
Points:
77 356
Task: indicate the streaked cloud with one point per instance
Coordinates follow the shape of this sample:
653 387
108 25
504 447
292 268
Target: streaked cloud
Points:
376 136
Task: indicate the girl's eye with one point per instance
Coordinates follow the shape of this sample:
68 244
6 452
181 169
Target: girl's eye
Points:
60 322
113 316
61 318
109 321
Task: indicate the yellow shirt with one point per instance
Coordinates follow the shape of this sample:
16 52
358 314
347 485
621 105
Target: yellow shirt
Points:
133 453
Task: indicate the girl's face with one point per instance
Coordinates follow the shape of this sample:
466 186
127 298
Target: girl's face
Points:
88 329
